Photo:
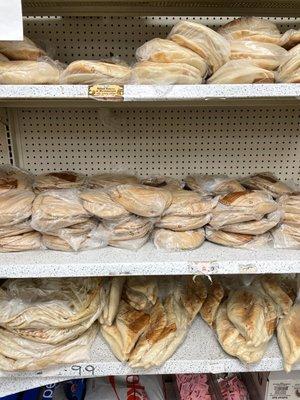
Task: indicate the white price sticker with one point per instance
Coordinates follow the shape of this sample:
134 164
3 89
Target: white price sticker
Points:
11 21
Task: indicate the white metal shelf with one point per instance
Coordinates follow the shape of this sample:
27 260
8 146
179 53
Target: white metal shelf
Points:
208 259
41 95
200 352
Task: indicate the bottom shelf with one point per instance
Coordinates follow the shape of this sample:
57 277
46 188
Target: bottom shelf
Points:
200 352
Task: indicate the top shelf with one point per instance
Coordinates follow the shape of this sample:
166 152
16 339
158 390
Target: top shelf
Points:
281 8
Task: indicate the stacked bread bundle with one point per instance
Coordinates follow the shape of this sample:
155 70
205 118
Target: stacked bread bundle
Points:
16 199
22 63
246 320
287 235
180 227
47 321
148 329
58 214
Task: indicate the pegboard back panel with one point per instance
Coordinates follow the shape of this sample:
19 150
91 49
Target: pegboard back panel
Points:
6 156
160 141
72 38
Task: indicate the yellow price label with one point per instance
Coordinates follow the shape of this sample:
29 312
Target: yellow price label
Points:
107 92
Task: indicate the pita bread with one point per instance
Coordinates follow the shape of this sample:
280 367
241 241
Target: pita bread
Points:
21 50
236 239
142 200
155 73
291 219
25 241
71 242
286 236
57 209
95 72
293 51
288 334
182 223
264 55
212 184
211 46
130 244
28 73
251 28
110 179
289 70
255 227
15 206
268 182
167 51
290 38
241 71
111 292
215 295
290 203
176 241
15 230
163 182
12 178
58 180
127 228
141 292
99 203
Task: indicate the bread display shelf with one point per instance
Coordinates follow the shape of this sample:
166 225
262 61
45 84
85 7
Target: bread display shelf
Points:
109 261
165 7
200 352
187 94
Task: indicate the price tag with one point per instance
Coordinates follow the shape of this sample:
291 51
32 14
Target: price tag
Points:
204 267
83 370
11 21
107 92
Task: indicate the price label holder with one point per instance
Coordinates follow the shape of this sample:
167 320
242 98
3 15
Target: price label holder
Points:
106 92
11 21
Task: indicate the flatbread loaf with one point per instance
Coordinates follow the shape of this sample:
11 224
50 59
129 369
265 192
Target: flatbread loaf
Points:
289 70
176 241
236 239
255 227
162 181
15 230
22 242
186 203
86 72
241 71
268 182
110 179
21 50
155 73
212 184
182 223
286 236
130 244
290 38
111 292
141 292
167 51
12 178
132 227
251 28
215 296
15 206
290 203
28 73
211 46
58 180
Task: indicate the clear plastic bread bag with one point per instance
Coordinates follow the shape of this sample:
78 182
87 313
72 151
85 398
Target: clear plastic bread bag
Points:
208 185
96 72
289 70
165 239
58 180
107 179
286 237
21 242
290 38
21 50
12 178
237 240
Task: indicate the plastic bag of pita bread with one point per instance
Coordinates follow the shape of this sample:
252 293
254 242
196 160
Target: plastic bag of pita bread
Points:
290 38
251 28
13 178
21 50
29 72
268 182
58 180
163 182
169 240
238 240
211 46
15 206
93 72
290 203
286 236
289 70
15 230
108 179
21 242
208 185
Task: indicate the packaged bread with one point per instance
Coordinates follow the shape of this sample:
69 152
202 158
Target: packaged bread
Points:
13 178
251 28
142 200
129 227
238 240
294 50
264 55
92 72
21 50
288 337
21 242
110 297
212 184
268 182
3 58
58 180
255 227
56 209
236 207
289 70
290 38
286 236
290 203
211 46
155 73
241 71
176 241
182 223
166 51
15 230
28 73
215 295
110 179
141 292
162 181
291 219
186 203
99 203
15 206
129 244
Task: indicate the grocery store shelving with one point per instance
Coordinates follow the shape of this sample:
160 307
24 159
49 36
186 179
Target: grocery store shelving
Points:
50 95
200 352
161 7
208 259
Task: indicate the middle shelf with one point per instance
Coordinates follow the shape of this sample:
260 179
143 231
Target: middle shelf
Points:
208 259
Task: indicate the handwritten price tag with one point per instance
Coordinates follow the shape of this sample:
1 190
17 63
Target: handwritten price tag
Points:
80 370
204 267
11 21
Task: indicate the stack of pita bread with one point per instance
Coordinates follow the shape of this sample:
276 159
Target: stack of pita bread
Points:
16 199
287 235
148 327
289 69
20 64
44 322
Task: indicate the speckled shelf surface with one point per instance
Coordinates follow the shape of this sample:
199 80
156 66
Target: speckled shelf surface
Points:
208 259
156 92
200 352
